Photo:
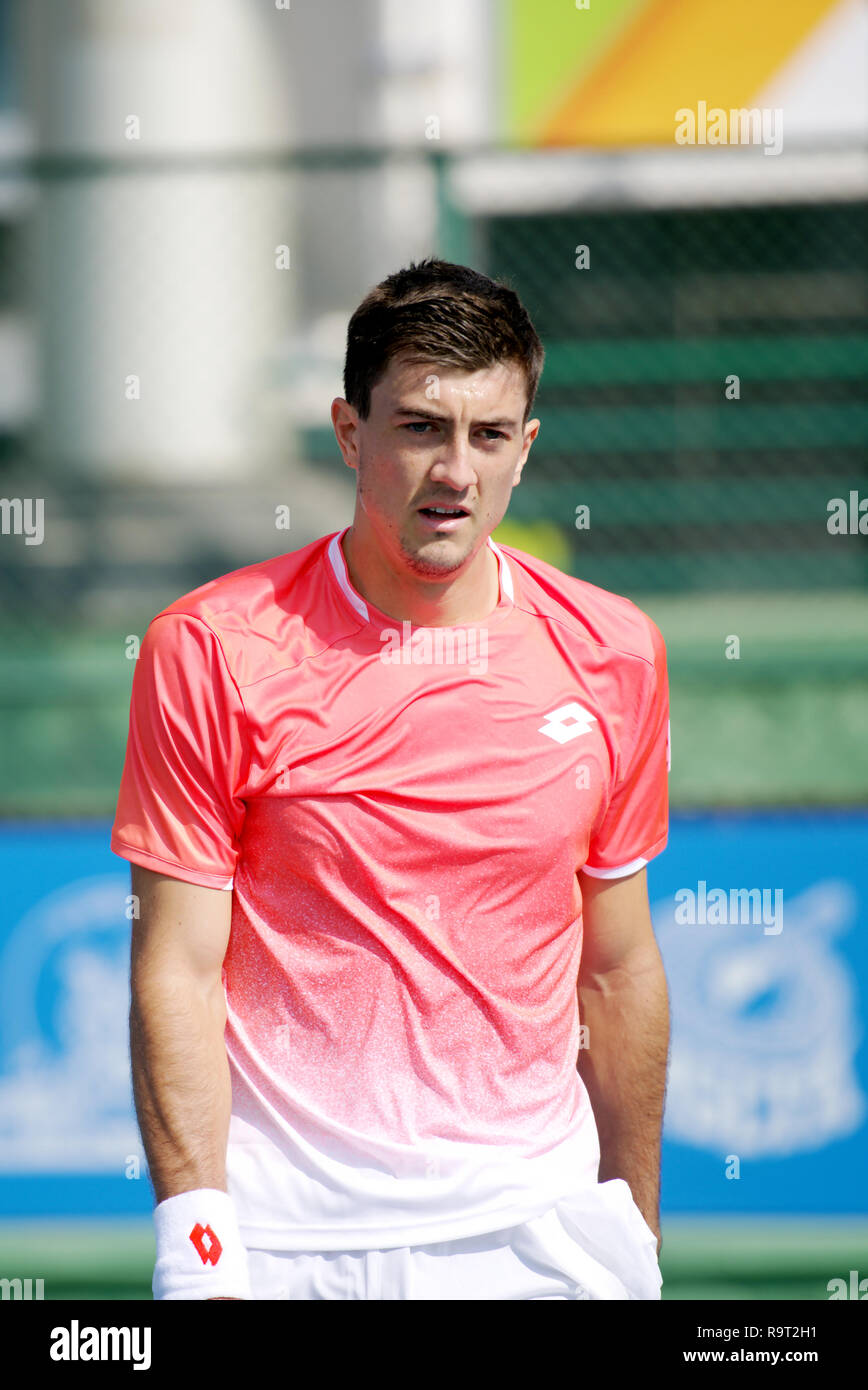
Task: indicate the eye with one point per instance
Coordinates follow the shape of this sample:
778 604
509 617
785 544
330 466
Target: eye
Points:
418 425
498 434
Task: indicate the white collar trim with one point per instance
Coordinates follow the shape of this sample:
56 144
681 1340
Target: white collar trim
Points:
339 568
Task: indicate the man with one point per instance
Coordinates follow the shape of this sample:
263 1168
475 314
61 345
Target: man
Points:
383 796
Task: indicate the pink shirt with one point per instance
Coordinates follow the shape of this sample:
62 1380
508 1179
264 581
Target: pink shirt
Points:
401 814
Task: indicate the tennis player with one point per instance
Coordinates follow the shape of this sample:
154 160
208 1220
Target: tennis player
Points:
399 1023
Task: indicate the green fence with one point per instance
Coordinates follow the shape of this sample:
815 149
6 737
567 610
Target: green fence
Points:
704 392
702 403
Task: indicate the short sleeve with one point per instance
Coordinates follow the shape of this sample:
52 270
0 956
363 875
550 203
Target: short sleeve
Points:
635 826
179 810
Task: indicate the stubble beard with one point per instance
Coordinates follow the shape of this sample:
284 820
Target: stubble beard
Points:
426 566
432 566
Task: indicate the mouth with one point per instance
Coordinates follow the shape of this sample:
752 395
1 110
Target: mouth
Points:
445 517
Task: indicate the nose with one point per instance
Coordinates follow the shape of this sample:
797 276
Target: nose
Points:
454 466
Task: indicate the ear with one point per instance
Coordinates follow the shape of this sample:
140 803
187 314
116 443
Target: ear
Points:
345 422
531 430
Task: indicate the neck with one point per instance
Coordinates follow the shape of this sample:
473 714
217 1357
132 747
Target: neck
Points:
462 597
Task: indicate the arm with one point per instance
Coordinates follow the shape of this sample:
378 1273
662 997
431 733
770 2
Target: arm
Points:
623 1001
177 1018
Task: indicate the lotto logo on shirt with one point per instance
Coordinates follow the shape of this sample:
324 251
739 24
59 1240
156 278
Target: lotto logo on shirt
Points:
435 646
567 723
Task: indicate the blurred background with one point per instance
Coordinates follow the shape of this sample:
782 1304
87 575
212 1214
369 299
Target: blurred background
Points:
193 199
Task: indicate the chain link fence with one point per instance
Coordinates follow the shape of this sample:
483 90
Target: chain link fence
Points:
702 404
704 394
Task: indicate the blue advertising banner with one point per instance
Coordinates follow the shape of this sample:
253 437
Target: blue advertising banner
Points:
68 1133
761 921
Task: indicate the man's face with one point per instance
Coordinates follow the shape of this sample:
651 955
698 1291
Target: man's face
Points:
436 437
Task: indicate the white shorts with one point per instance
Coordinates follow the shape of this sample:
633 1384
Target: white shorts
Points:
594 1244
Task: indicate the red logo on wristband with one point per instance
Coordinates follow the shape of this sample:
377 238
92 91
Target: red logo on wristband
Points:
210 1253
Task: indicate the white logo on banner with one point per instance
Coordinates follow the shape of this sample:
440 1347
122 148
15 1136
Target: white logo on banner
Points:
764 1030
65 1093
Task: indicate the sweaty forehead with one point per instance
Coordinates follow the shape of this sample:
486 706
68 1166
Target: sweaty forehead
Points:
421 383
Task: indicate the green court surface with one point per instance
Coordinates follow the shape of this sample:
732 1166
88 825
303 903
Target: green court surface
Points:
725 1258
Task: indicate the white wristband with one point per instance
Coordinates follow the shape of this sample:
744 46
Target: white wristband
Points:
200 1253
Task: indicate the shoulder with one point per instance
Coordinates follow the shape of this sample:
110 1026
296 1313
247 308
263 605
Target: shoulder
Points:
257 615
592 614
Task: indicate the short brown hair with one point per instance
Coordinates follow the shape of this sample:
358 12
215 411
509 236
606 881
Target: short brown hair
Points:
436 311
